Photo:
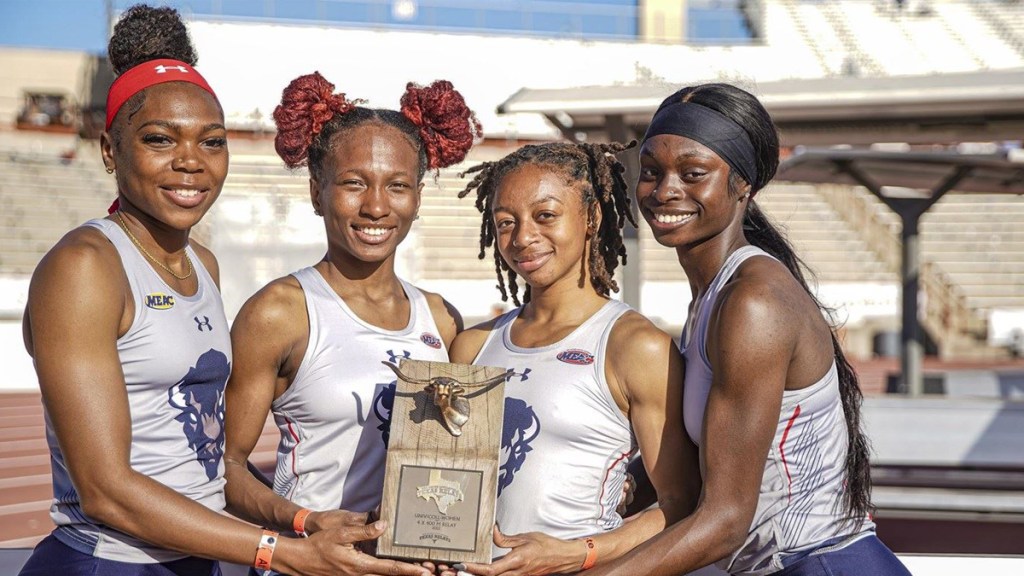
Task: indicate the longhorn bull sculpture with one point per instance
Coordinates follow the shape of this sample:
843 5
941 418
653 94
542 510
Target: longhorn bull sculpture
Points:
447 395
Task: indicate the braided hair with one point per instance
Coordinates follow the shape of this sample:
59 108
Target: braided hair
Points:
435 119
594 169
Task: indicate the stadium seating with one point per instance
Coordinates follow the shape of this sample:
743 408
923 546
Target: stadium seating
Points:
1006 19
41 199
974 241
876 39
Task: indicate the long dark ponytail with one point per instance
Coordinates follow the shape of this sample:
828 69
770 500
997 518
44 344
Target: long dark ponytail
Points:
744 109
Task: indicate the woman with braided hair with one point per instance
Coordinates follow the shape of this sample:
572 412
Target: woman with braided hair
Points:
770 398
131 345
309 346
592 379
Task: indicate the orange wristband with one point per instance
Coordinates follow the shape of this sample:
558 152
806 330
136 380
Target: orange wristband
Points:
591 558
265 552
299 522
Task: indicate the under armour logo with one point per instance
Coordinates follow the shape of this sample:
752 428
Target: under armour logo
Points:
393 358
161 69
204 322
523 376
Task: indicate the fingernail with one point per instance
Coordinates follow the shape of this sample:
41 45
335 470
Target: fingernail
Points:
379 525
459 566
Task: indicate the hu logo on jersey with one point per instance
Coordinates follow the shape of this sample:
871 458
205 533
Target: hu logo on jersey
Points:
383 402
576 356
158 301
431 340
200 398
521 427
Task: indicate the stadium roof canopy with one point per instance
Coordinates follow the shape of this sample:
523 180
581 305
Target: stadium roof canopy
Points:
926 172
960 107
945 109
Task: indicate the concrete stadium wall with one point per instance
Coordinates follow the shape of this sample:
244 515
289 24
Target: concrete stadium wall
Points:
250 63
34 70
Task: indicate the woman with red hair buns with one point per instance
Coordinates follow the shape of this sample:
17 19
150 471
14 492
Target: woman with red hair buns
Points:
309 346
131 345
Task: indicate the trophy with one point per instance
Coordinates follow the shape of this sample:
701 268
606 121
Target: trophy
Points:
440 480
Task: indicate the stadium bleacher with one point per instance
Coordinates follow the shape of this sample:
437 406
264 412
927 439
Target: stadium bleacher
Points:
874 39
972 241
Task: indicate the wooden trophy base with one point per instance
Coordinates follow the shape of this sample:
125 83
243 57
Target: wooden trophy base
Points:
440 488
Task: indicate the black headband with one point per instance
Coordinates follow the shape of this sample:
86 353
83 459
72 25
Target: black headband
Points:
715 130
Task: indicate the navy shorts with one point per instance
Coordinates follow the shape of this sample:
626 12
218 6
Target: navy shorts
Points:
52 556
865 557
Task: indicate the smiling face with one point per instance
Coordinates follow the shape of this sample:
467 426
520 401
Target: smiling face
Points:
541 226
171 155
683 193
370 193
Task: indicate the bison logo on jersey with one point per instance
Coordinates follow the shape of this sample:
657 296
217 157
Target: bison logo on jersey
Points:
200 398
520 429
383 402
384 398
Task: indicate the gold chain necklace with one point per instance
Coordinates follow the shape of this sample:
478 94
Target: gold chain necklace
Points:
150 256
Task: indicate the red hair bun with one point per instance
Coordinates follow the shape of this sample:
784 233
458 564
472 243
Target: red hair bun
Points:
307 104
447 126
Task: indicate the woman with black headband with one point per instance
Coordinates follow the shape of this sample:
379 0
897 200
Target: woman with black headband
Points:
769 397
131 346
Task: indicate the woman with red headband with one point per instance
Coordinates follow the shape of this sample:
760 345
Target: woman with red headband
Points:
310 346
131 346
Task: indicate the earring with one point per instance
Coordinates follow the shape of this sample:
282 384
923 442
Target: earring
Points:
317 212
416 217
110 170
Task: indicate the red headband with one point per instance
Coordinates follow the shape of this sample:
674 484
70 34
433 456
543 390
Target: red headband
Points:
149 74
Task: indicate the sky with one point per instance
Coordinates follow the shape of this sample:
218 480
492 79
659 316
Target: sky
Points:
62 24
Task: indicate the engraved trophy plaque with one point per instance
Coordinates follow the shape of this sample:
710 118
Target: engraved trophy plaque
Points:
440 481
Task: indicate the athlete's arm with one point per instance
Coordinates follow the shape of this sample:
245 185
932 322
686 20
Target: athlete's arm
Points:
649 374
467 345
645 375
268 330
749 370
446 317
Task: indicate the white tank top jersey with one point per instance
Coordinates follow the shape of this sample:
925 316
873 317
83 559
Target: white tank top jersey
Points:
800 505
565 443
334 418
176 358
